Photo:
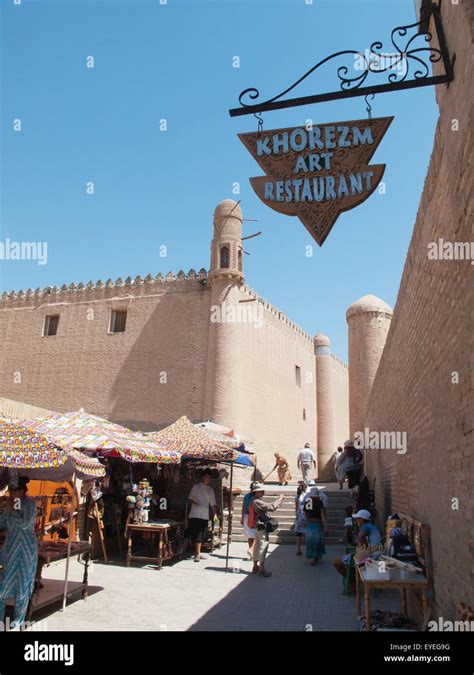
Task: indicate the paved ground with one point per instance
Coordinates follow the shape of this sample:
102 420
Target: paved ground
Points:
202 596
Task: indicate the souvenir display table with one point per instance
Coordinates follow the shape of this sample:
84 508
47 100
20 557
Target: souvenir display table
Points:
49 591
161 528
398 579
52 551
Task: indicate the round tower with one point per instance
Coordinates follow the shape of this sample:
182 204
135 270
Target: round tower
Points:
226 245
221 402
324 406
369 321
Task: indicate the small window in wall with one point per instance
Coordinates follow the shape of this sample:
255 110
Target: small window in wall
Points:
225 257
51 324
304 414
239 260
118 319
298 376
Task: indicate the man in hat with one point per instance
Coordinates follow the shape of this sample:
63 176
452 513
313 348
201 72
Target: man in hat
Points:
306 460
260 509
369 535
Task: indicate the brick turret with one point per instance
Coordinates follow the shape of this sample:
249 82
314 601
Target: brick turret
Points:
369 320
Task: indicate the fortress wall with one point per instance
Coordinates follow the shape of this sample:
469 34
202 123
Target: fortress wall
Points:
430 339
271 402
116 376
341 400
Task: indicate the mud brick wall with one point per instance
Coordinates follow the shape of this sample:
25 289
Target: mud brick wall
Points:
430 340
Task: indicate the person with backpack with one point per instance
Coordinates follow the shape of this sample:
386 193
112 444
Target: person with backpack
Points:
316 526
260 521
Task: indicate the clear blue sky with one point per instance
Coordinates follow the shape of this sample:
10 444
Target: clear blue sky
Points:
154 188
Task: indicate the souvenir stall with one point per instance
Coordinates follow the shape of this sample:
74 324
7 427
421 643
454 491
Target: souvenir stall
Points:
123 498
402 563
199 451
26 454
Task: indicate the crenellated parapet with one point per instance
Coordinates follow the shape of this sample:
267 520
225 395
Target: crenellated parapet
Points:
276 313
82 288
340 361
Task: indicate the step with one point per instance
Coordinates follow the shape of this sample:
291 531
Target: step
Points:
275 539
290 501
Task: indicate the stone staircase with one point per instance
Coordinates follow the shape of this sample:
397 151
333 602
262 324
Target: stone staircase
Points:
335 513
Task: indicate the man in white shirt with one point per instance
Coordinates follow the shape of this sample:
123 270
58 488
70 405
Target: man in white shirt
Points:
203 508
306 460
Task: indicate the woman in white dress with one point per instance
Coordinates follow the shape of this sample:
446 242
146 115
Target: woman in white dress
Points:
300 520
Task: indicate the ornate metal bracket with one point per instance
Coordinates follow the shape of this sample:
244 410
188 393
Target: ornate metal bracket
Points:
373 62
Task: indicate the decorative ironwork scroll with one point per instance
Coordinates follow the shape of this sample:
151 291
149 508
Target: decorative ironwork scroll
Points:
407 66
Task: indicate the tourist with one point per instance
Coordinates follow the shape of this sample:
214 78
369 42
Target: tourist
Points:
300 519
316 526
203 500
19 552
248 531
283 469
258 514
353 464
306 460
369 535
322 495
339 466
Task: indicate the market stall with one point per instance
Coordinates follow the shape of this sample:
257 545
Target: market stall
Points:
130 459
25 454
402 563
200 451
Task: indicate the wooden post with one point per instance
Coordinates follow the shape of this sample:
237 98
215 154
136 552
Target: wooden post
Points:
71 515
231 511
101 534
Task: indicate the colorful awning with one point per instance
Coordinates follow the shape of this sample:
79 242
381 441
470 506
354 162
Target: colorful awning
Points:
24 448
83 431
193 443
225 435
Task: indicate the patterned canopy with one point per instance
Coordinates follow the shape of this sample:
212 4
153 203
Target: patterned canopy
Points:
23 448
81 430
193 443
225 435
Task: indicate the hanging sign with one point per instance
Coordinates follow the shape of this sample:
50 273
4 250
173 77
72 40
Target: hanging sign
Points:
317 172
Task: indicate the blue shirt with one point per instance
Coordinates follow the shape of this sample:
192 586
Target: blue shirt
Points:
372 533
247 501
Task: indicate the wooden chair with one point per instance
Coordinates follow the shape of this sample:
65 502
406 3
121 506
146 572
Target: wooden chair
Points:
420 538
